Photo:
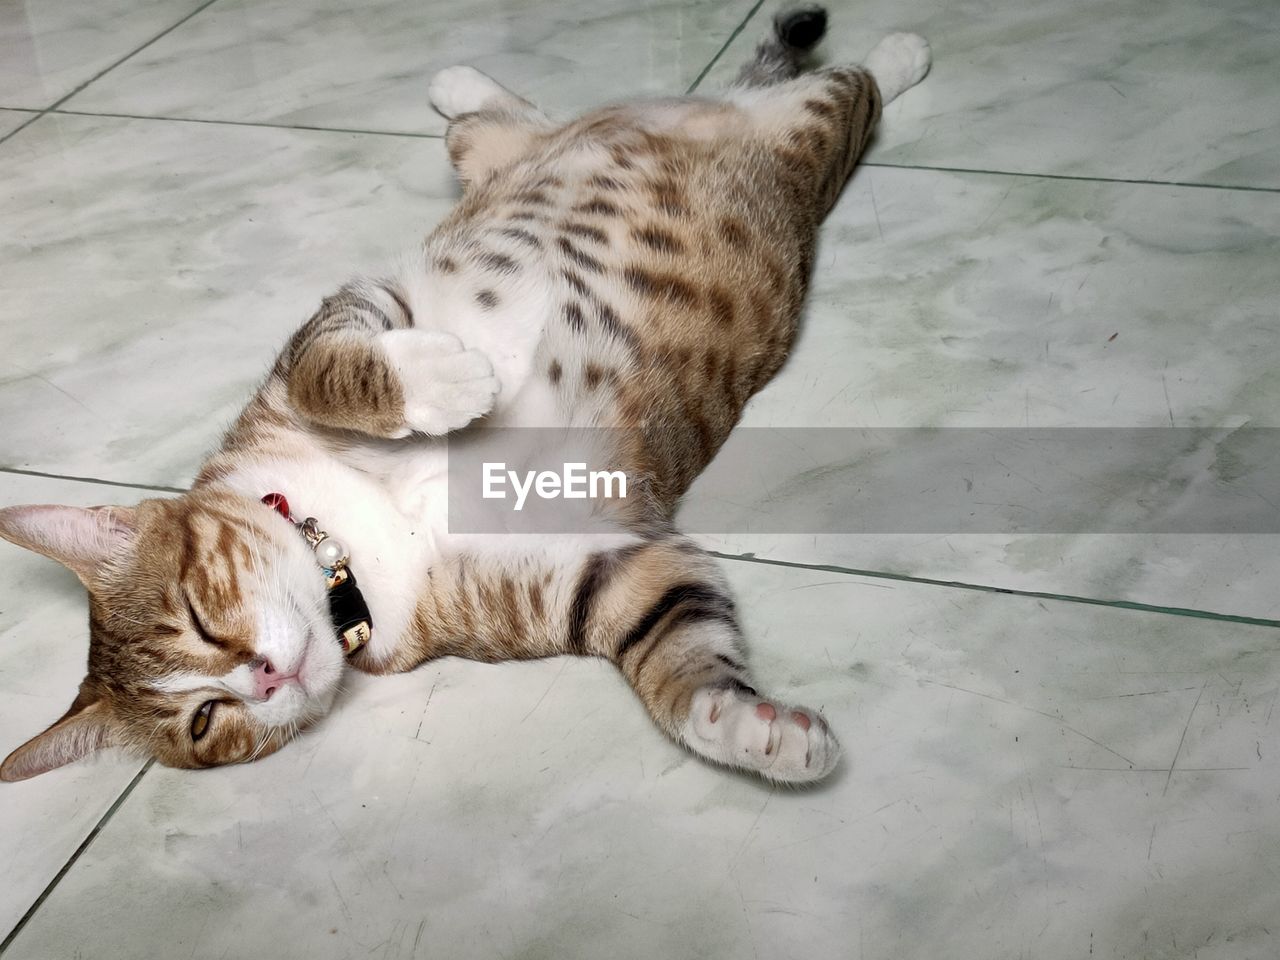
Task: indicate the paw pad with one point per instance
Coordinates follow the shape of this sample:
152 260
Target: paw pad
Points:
788 744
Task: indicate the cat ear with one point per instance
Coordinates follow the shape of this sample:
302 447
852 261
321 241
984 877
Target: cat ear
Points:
81 538
83 729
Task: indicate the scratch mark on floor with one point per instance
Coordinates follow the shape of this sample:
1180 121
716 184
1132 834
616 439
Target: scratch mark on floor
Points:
874 208
545 692
1043 713
1183 738
343 837
746 916
1164 770
1143 693
346 911
752 829
431 693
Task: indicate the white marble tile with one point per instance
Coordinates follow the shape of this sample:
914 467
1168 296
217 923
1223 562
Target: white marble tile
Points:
11 120
1008 791
44 636
325 63
1175 91
181 256
981 300
49 48
984 301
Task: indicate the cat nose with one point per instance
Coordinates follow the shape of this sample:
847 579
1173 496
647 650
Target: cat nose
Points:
266 680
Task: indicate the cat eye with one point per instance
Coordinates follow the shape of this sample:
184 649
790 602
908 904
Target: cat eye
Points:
200 722
200 628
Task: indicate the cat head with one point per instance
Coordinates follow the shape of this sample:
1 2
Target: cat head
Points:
209 633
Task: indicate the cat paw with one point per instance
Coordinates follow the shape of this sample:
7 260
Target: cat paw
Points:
788 744
458 90
446 386
898 62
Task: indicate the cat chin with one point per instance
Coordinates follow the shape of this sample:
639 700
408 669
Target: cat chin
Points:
320 675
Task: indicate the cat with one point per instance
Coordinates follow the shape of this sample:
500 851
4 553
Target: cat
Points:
641 268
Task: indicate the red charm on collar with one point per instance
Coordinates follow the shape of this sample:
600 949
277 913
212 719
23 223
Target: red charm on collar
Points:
278 503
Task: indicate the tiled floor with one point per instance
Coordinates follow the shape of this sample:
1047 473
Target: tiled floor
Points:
1026 776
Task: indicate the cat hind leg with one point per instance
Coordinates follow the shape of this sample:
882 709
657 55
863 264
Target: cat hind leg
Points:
898 63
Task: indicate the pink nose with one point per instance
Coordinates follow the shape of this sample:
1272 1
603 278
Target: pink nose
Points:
267 679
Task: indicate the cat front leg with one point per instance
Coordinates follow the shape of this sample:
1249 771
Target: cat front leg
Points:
658 609
898 63
360 364
445 385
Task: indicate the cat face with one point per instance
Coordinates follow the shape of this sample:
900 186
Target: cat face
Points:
209 633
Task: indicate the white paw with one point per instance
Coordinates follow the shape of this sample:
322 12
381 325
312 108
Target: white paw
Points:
790 744
898 63
458 90
446 386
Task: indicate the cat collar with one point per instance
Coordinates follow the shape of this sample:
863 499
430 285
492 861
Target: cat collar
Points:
347 609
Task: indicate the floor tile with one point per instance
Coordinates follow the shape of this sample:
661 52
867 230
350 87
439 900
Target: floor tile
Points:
321 62
180 258
45 637
11 120
956 300
47 49
1023 777
1174 91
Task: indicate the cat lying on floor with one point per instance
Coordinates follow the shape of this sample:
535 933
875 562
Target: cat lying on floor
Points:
641 268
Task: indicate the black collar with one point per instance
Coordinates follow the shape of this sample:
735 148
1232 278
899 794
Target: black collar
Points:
347 609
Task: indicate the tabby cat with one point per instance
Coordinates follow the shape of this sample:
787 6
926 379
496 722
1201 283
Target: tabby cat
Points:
641 268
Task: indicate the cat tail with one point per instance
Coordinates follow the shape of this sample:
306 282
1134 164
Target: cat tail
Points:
780 57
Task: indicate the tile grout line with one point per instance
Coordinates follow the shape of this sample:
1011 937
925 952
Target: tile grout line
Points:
798 565
719 53
983 588
882 165
22 126
1073 178
107 69
71 862
108 483
250 123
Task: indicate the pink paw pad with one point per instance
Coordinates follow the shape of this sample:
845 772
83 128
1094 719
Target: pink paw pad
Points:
785 743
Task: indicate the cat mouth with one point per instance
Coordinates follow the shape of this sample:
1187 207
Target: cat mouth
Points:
313 673
306 668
